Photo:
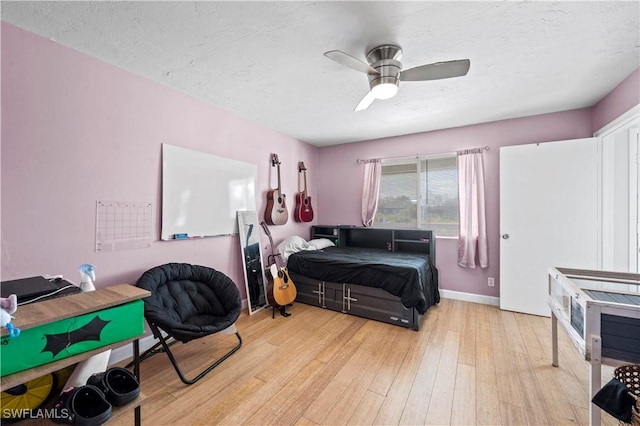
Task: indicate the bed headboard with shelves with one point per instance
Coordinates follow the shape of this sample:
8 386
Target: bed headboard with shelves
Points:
400 240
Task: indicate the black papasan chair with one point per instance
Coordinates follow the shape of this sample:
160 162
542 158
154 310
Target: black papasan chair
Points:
188 302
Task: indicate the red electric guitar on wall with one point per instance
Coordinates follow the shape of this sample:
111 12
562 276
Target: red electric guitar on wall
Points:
276 212
303 211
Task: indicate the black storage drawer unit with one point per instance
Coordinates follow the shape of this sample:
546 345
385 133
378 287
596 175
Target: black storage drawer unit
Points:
316 293
367 302
376 304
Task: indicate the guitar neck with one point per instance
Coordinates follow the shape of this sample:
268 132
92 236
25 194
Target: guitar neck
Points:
302 169
304 178
279 190
249 233
273 252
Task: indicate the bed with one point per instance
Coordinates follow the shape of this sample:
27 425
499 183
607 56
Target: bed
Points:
382 274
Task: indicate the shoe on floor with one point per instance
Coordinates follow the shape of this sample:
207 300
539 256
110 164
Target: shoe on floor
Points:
84 405
118 384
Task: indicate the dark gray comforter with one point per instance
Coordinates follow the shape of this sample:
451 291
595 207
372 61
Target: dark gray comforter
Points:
409 276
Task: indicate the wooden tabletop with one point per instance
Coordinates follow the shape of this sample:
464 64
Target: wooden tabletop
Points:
47 311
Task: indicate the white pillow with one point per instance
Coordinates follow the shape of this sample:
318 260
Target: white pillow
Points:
292 245
320 243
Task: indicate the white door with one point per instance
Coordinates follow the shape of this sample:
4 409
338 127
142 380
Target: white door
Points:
548 217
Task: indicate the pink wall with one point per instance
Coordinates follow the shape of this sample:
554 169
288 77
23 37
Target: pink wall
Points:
625 96
76 130
339 193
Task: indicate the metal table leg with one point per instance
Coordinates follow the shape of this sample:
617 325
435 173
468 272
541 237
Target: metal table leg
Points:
554 339
594 378
136 372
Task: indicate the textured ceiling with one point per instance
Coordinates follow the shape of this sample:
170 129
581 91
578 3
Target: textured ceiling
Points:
264 60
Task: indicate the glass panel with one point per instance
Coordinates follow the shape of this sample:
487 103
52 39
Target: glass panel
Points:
397 202
561 299
440 210
249 232
577 317
420 194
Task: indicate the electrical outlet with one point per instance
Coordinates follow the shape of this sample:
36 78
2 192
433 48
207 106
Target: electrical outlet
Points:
491 282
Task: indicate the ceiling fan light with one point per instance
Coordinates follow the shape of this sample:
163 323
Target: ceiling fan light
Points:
385 90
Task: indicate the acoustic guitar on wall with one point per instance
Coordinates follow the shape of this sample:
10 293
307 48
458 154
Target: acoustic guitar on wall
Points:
283 291
276 212
303 211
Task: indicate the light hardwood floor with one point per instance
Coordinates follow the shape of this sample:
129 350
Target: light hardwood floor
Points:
468 364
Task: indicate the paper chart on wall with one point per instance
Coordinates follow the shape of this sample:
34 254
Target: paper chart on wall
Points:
122 225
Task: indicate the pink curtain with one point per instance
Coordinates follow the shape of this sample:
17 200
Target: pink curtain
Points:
472 241
370 190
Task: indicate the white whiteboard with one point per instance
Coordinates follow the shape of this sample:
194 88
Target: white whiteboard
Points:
201 193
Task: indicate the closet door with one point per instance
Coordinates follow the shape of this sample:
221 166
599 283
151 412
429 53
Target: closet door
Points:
548 217
634 200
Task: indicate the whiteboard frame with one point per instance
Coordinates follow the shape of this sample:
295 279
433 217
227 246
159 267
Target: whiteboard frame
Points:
202 193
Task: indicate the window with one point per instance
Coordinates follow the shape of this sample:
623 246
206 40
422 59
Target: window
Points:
421 193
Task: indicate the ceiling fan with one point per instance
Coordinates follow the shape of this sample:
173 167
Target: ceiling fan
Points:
385 71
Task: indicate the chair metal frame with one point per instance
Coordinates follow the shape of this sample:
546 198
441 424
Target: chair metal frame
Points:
163 344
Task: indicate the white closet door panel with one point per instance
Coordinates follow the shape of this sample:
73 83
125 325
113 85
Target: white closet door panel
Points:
634 200
548 217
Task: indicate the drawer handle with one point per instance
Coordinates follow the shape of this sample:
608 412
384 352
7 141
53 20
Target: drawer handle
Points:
320 293
347 297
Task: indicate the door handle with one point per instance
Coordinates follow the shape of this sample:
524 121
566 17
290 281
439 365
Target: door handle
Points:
505 236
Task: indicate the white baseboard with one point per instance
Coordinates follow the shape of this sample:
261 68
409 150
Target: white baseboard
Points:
470 297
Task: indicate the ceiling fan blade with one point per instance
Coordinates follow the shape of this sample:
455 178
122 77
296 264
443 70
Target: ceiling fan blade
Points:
437 71
349 61
366 101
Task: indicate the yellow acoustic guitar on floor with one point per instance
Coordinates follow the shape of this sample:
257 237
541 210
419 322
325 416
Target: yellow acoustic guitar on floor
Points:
284 291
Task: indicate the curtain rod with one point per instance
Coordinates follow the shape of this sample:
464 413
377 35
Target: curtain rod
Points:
369 160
